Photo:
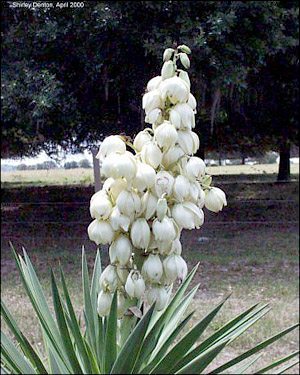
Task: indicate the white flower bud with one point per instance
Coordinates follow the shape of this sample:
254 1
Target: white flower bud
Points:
114 187
151 154
175 267
184 48
195 168
128 203
140 234
215 199
135 285
111 144
168 54
187 215
185 77
188 141
120 165
152 269
148 205
154 83
159 295
145 177
140 139
163 183
100 206
101 232
120 221
104 303
175 89
168 70
186 115
154 117
192 102
151 100
120 250
161 208
172 155
108 279
165 135
184 59
164 230
201 199
181 188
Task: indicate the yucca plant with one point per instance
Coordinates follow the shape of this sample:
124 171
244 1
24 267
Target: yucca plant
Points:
142 342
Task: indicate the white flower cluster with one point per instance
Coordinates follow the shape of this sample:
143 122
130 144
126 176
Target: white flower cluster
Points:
150 196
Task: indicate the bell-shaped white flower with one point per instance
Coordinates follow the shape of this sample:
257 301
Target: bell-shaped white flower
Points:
175 89
154 117
176 247
128 202
171 156
215 199
154 83
185 77
120 250
168 70
201 199
100 206
187 215
122 273
195 191
188 141
195 168
181 188
163 183
140 139
161 208
164 247
164 230
192 102
175 267
104 302
108 279
135 285
152 269
140 234
113 187
120 165
165 135
151 154
168 54
148 205
101 232
120 221
121 305
111 144
151 100
145 177
159 295
182 116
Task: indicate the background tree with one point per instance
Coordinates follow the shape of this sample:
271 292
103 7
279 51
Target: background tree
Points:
68 80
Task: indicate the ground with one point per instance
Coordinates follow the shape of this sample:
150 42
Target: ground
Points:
249 249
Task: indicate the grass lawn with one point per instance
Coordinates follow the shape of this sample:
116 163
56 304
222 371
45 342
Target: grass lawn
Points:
85 176
256 262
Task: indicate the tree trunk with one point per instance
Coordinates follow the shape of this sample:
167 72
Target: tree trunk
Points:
243 160
284 173
96 167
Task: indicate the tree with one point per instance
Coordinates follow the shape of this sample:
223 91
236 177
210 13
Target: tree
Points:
82 58
84 163
71 165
